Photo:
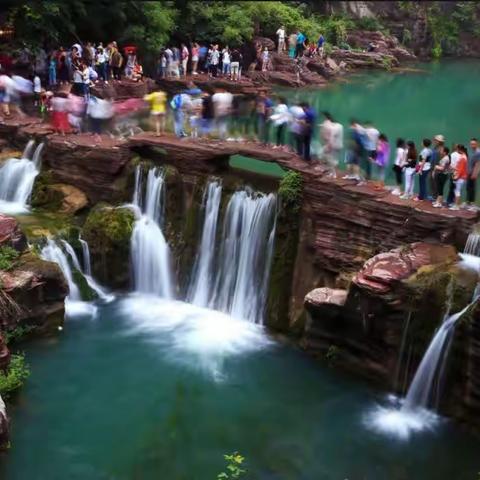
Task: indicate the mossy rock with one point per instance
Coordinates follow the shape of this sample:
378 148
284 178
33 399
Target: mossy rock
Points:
107 228
290 191
43 196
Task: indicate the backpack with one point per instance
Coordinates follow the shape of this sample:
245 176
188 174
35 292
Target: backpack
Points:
176 102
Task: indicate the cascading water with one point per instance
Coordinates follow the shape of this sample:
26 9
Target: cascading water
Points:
150 251
74 306
203 271
87 265
427 376
100 291
246 250
472 247
17 176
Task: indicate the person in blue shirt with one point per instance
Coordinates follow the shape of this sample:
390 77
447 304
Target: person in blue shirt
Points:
320 45
307 131
300 44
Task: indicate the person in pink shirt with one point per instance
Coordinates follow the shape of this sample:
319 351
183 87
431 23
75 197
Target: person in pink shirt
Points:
195 56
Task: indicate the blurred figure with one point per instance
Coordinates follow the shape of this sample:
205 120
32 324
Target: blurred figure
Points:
101 61
226 62
355 151
280 118
158 110
265 59
60 106
263 106
296 128
382 158
76 112
180 103
308 124
222 101
208 114
100 111
331 135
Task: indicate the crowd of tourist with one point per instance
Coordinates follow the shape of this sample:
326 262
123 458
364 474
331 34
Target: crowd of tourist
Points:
442 173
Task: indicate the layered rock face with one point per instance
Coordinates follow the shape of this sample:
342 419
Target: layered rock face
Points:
381 326
32 290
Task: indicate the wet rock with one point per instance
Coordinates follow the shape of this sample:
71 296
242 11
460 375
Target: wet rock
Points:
10 233
365 325
92 168
355 59
73 199
33 293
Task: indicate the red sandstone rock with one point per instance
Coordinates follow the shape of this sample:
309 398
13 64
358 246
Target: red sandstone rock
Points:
10 233
382 272
326 296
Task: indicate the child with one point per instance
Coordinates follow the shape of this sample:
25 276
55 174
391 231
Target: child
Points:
460 176
441 175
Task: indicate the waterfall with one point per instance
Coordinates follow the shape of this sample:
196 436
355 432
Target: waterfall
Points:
431 368
17 176
86 272
53 253
150 251
246 250
87 266
402 350
472 247
27 152
202 278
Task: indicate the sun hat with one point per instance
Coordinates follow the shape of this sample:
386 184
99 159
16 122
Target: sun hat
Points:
439 138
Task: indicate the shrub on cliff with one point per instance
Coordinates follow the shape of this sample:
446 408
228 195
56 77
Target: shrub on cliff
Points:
15 376
290 191
8 255
108 228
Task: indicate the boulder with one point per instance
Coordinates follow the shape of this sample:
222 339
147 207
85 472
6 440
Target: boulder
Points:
355 59
73 199
407 287
33 293
10 233
262 42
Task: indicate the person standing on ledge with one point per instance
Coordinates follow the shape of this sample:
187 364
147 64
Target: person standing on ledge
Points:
300 45
460 175
308 124
473 170
158 109
424 169
281 39
292 45
331 134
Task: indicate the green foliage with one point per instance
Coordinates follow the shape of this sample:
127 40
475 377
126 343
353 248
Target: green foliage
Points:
17 334
336 29
387 63
15 376
437 51
8 255
108 228
372 24
290 190
234 467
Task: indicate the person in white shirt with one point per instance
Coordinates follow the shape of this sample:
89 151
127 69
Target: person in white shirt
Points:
331 135
222 104
226 61
281 39
280 117
37 89
399 164
371 144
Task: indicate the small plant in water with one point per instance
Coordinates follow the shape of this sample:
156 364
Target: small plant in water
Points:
332 353
234 467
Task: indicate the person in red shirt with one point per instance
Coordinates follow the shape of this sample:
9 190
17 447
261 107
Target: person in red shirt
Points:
460 176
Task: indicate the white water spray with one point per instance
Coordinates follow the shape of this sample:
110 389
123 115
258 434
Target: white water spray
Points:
150 251
17 176
92 283
200 290
246 251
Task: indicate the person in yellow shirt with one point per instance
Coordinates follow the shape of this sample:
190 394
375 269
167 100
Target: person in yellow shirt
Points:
158 109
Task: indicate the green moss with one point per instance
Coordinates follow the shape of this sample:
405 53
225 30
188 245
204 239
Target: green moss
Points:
43 196
290 191
108 228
